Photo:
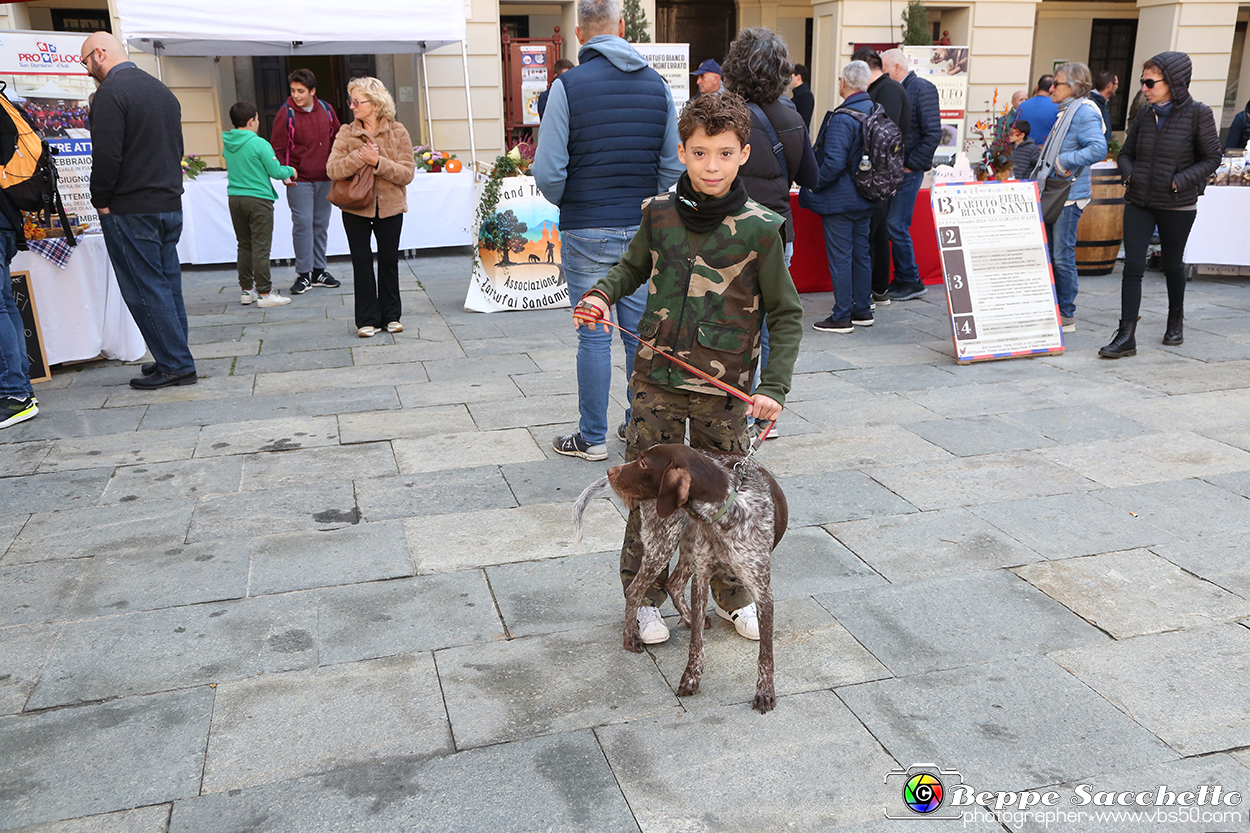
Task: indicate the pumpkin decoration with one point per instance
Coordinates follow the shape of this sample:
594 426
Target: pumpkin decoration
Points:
453 166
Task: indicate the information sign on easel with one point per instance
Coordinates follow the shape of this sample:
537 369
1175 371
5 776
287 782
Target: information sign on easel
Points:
999 285
24 299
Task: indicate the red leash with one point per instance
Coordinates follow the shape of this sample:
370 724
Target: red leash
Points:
580 314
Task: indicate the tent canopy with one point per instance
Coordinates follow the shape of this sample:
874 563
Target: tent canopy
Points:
294 27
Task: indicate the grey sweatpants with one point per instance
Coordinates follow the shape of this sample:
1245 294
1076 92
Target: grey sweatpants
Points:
310 217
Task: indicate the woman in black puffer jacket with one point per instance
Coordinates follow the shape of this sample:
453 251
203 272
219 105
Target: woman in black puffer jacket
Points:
1170 150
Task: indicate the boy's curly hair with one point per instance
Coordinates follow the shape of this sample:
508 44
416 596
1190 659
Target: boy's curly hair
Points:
715 113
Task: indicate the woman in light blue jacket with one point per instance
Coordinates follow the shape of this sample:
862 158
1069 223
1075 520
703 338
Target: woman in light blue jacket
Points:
1078 136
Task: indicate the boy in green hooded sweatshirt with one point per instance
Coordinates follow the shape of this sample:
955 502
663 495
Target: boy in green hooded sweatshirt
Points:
250 164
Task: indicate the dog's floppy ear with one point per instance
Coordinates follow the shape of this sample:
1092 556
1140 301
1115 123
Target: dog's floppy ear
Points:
674 490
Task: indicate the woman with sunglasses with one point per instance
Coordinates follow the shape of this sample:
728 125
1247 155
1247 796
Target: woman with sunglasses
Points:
1170 150
374 138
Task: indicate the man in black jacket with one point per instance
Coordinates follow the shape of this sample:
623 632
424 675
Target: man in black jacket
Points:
136 185
1105 86
919 146
887 92
801 94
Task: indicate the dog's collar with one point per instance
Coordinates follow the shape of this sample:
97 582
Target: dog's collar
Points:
720 513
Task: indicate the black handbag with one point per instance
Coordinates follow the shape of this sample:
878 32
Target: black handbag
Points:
1053 197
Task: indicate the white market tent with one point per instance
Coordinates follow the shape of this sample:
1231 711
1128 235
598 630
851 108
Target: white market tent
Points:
297 27
51 90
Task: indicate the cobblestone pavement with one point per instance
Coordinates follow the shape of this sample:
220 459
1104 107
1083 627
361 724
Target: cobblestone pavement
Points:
333 586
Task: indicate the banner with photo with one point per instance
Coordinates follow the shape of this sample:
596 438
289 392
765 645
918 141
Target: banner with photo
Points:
518 253
43 75
672 61
947 68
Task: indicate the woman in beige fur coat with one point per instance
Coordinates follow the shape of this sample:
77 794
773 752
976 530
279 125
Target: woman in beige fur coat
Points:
376 139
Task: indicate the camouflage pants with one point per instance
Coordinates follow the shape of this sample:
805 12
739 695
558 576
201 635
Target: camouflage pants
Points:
717 422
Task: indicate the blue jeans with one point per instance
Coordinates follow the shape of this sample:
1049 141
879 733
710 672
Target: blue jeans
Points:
14 364
1063 257
902 206
144 252
850 263
588 254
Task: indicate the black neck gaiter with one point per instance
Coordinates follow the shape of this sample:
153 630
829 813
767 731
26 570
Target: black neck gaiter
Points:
701 213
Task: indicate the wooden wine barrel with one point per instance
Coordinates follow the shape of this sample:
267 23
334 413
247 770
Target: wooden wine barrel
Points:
1101 229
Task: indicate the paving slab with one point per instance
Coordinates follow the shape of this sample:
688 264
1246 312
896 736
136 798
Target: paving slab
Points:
1237 482
969 436
928 625
214 383
444 543
324 558
1133 593
729 768
328 506
181 647
416 347
838 496
277 361
40 592
1188 375
317 465
559 594
1150 459
182 574
126 449
76 420
457 391
247 408
254 436
504 691
464 450
546 481
1190 687
280 726
385 618
1008 725
920 545
153 746
965 481
833 447
9 528
495 364
433 493
307 381
529 410
1062 526
1189 509
809 561
1220 560
153 819
1078 424
23 652
76 533
57 490
406 423
987 398
180 478
560 784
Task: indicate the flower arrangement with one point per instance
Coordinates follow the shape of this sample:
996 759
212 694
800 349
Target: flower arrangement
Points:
992 130
431 160
192 165
523 156
31 227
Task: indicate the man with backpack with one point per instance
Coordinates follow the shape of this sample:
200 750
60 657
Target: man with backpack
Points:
303 133
136 186
846 212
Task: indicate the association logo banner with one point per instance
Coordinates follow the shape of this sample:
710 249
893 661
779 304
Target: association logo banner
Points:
518 264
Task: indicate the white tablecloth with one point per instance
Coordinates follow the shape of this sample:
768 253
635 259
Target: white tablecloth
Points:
81 311
440 212
1219 232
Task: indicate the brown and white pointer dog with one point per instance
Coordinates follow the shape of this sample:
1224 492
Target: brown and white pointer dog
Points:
719 516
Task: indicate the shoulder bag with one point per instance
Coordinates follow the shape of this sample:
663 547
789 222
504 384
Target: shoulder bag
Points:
1054 192
355 194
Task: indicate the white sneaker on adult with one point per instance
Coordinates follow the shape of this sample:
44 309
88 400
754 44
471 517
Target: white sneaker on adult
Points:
651 626
745 620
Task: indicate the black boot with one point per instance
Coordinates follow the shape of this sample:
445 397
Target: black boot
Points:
1175 333
1123 343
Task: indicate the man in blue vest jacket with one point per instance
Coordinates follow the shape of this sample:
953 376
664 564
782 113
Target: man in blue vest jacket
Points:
608 141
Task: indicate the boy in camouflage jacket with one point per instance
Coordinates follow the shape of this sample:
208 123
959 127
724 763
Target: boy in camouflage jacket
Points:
715 265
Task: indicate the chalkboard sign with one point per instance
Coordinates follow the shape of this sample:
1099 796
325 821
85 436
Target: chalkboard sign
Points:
25 300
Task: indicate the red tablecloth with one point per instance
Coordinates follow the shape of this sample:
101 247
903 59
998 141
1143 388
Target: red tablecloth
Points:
810 268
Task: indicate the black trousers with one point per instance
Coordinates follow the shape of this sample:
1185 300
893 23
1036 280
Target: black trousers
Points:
1139 224
879 245
377 301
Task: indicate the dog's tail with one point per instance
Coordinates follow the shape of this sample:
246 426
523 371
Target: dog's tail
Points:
579 506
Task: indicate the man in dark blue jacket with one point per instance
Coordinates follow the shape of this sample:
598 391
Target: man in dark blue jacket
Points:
608 141
845 214
920 143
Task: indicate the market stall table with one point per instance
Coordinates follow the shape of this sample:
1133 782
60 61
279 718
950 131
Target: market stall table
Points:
440 213
81 311
1219 232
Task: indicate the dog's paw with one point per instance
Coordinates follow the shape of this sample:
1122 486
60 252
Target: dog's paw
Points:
764 702
633 643
689 685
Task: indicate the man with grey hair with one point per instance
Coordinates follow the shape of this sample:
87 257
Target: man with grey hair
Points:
920 142
609 141
845 214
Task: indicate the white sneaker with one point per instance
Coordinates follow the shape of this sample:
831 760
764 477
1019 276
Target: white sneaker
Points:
273 299
249 295
367 332
651 626
745 621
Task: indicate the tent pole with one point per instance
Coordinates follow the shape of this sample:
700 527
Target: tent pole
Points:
156 48
464 55
429 111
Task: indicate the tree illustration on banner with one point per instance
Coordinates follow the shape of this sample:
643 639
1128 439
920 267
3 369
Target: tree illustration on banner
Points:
502 232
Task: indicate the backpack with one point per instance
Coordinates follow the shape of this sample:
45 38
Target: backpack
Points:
290 126
778 149
880 170
27 173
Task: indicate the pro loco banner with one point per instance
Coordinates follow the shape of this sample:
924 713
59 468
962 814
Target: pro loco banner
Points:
518 262
42 74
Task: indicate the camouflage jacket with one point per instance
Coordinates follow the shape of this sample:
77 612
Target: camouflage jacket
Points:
707 297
